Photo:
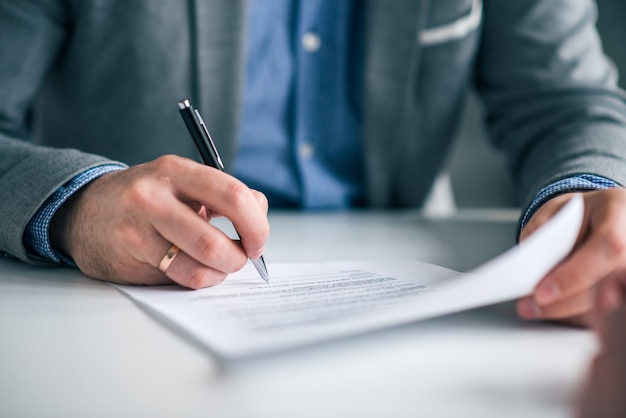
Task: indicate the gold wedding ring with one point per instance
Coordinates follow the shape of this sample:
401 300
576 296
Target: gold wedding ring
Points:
167 259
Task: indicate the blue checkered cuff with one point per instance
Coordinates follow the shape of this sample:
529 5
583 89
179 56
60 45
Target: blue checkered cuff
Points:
580 183
36 235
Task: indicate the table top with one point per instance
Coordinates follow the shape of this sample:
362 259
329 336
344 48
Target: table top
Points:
71 346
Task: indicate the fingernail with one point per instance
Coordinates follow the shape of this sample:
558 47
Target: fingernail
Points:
548 292
528 309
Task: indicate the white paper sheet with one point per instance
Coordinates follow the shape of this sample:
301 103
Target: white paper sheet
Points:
307 303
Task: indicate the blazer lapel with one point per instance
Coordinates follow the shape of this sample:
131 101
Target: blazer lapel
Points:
217 40
391 62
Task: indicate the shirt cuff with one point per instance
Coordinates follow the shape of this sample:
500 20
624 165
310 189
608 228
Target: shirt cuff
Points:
36 235
579 183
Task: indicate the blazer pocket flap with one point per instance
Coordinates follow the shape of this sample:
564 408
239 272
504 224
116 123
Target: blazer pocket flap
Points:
457 29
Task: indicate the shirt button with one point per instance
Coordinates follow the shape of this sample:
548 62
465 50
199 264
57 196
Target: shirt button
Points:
311 42
306 151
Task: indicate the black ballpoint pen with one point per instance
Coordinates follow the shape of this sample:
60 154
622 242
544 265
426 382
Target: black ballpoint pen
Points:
201 137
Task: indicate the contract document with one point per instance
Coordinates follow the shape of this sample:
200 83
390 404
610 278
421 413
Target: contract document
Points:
310 303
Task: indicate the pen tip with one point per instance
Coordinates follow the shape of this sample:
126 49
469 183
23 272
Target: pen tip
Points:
260 266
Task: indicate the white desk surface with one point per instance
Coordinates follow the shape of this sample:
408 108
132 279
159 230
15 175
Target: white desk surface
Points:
74 347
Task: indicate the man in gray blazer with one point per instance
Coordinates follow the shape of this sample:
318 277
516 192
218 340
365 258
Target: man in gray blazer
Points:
88 93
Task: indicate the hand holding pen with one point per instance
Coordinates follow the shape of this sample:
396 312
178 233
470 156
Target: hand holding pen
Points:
147 224
204 143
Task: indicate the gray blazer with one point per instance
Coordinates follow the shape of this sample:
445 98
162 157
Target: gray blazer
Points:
85 81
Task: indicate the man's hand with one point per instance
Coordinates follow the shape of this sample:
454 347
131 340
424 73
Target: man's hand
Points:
119 227
567 292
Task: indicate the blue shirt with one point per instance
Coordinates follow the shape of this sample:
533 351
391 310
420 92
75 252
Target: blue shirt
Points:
300 140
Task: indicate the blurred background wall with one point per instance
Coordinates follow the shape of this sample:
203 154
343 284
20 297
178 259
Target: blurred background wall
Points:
482 180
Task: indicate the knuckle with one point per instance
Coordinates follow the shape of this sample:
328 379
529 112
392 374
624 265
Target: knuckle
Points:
209 247
200 278
238 194
615 244
138 194
167 163
196 279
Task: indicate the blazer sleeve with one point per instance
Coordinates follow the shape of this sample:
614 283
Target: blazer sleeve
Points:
551 95
31 41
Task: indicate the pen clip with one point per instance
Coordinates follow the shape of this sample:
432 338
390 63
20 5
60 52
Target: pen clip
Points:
208 135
